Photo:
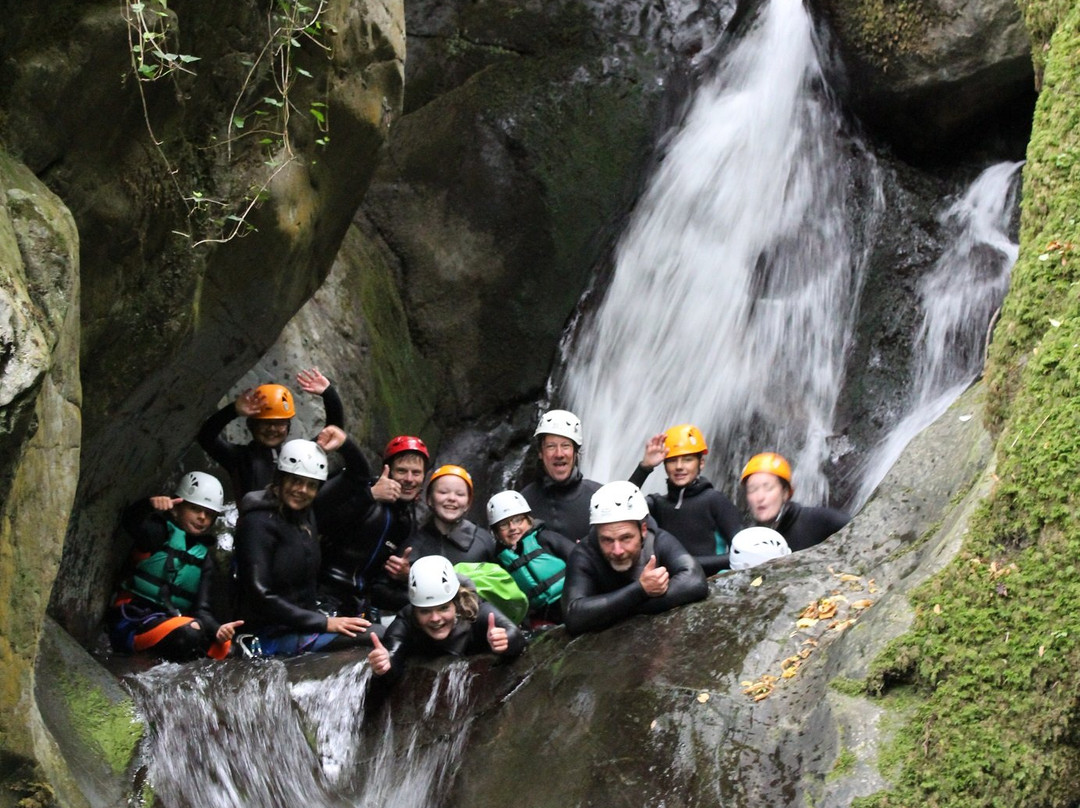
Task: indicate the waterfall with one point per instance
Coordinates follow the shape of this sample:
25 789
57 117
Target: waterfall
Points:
239 734
735 286
957 300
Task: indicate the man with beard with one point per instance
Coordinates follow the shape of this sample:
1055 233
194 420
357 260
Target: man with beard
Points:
623 567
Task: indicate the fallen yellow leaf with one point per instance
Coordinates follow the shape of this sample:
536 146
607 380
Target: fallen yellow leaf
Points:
757 581
806 622
702 697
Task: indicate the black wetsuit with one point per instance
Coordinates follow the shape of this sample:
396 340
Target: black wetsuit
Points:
251 465
466 542
595 596
138 623
804 526
359 535
277 557
563 507
403 639
703 519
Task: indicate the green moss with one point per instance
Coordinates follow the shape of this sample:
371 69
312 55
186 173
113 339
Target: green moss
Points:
108 727
845 764
992 657
881 29
848 687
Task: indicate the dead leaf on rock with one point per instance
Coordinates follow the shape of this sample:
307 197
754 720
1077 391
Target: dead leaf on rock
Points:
702 697
757 581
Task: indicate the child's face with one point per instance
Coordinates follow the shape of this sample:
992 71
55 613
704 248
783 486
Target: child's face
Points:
510 531
449 498
270 432
683 470
194 519
436 621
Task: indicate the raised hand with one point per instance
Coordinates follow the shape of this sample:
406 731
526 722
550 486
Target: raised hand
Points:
384 489
311 381
330 438
378 658
397 567
164 503
655 451
250 403
496 636
654 579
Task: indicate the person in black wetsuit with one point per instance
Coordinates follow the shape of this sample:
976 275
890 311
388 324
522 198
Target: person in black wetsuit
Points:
366 524
448 533
623 568
277 558
269 409
163 606
766 482
534 556
703 519
560 497
442 618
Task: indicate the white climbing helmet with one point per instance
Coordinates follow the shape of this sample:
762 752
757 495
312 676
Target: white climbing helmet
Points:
620 501
756 545
560 422
505 504
202 489
304 458
432 581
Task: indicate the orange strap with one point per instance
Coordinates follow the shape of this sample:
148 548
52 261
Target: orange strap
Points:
219 650
149 639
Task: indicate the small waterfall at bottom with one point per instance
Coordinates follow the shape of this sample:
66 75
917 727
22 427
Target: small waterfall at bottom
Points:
241 735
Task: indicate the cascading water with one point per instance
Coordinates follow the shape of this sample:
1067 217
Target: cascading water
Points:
736 284
238 735
958 299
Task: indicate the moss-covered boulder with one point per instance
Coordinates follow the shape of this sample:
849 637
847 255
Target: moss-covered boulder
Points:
39 424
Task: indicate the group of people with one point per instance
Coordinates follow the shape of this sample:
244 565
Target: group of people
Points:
321 555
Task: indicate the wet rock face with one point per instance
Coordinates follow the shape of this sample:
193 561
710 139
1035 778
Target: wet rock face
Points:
39 421
167 326
929 75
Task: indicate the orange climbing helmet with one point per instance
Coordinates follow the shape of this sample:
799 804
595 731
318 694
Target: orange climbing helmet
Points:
452 471
279 402
684 439
768 462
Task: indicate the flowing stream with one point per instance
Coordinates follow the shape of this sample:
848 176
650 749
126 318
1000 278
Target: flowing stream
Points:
240 734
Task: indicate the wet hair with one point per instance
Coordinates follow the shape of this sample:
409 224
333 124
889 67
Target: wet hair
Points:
467 603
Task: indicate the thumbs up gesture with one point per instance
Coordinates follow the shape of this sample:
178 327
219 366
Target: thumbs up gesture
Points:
384 489
654 579
397 567
496 636
378 658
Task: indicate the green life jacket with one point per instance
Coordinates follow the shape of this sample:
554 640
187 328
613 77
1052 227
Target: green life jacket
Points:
170 577
537 572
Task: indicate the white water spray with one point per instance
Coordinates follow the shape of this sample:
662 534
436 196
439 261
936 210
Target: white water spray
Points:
735 287
239 735
958 298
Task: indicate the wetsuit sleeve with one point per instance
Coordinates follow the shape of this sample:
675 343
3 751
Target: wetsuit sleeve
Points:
396 639
141 522
202 612
479 643
335 411
356 465
712 564
686 579
640 475
725 516
586 607
213 444
255 543
556 543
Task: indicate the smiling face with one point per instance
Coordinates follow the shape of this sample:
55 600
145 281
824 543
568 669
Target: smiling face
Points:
449 499
407 469
620 543
436 621
558 455
510 530
194 519
765 495
296 492
270 432
684 469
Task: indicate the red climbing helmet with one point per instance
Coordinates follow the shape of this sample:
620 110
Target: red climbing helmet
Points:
406 443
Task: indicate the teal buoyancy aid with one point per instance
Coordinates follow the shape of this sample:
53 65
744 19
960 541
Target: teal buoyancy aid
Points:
170 576
538 573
